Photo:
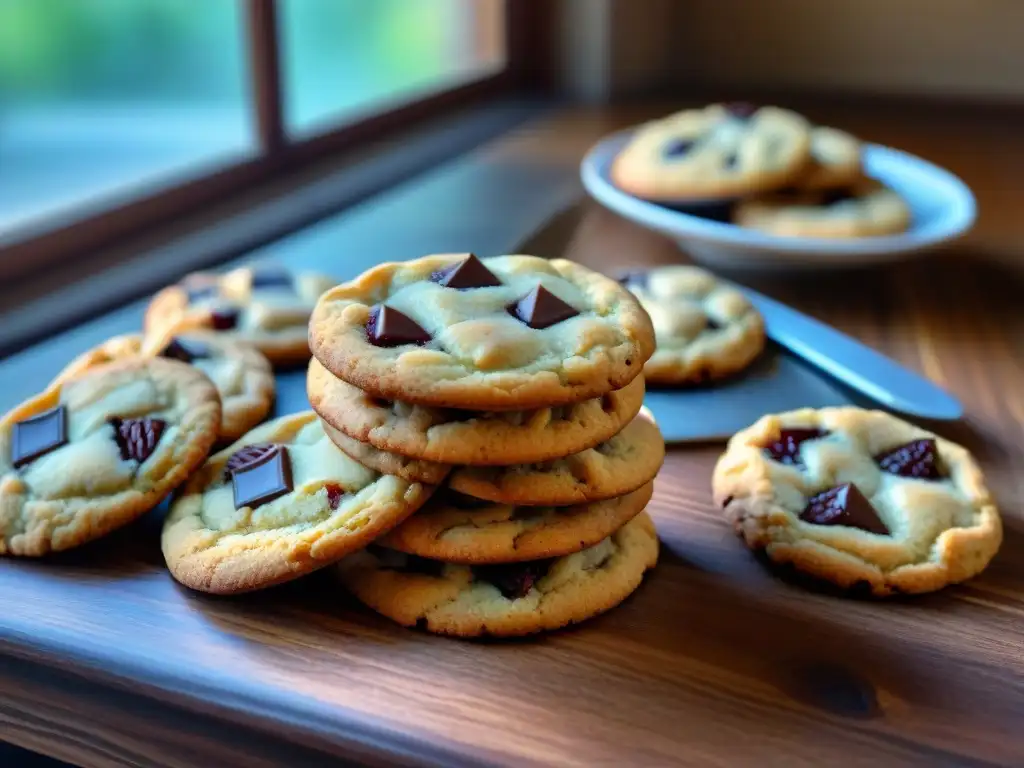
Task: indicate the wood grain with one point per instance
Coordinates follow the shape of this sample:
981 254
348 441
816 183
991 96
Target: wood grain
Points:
713 662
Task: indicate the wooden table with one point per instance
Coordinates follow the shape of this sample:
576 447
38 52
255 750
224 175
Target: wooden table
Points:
105 660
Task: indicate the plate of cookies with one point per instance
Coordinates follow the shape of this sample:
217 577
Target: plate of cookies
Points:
745 187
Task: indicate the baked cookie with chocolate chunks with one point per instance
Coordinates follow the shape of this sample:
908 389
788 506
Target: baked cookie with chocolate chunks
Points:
722 151
503 600
456 436
865 209
859 498
99 449
835 160
266 305
705 328
461 529
278 504
242 375
501 334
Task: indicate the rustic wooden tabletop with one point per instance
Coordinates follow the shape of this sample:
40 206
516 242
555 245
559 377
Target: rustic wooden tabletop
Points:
714 661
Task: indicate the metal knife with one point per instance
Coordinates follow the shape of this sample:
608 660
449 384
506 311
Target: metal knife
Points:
854 364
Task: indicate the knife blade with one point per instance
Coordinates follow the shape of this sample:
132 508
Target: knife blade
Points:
854 364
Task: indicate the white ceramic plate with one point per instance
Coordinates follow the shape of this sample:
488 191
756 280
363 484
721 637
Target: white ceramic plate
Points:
942 209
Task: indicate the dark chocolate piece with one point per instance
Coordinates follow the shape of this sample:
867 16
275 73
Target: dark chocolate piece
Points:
388 327
844 505
786 450
913 459
466 274
741 110
513 580
137 438
711 324
263 480
730 161
39 435
677 147
540 308
224 319
246 455
271 276
335 493
185 350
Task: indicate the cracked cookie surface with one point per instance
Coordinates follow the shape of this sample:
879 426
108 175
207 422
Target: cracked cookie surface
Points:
100 449
859 498
503 600
705 328
459 528
242 375
312 507
265 305
526 333
454 436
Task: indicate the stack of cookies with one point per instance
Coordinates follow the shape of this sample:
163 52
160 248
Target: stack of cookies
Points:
513 387
764 168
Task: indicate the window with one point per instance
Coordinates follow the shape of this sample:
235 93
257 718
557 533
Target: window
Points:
105 98
346 57
117 114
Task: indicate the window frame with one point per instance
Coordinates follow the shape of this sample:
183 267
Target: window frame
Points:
33 249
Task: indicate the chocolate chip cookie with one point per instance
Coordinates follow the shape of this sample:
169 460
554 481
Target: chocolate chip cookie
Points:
279 503
265 305
503 600
507 333
706 329
99 449
461 529
456 436
860 499
865 209
835 160
243 376
720 151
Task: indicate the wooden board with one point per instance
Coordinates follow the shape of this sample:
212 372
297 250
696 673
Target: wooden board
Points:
712 662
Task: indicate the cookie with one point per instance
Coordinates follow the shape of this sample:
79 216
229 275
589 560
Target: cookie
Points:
278 504
453 436
506 333
720 151
503 600
616 467
99 449
413 470
243 376
460 529
860 499
865 209
266 305
835 160
706 329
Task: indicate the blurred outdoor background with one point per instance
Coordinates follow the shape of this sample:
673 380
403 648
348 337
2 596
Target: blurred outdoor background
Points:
102 97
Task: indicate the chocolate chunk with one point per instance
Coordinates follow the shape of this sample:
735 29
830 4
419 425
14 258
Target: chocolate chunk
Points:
741 110
786 450
468 273
633 278
263 480
388 327
271 276
39 435
913 459
730 162
513 580
836 196
677 147
711 324
540 308
185 350
137 438
844 505
335 493
245 456
224 319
